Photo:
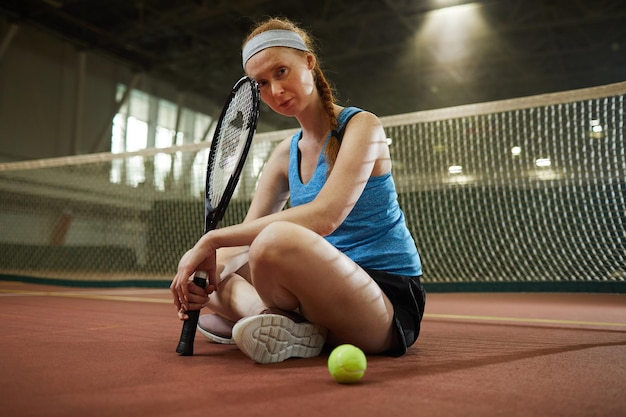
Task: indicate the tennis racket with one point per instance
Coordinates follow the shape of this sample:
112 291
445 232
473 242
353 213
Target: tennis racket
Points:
229 148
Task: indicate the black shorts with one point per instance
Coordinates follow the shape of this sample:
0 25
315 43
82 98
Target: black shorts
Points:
408 299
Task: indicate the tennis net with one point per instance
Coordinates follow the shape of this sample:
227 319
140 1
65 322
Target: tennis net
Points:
530 190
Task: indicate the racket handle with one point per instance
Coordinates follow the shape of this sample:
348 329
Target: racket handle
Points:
188 334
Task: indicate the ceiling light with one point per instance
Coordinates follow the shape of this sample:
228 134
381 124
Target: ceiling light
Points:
597 130
455 169
543 162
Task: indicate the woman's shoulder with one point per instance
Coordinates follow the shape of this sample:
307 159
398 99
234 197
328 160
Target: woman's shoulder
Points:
359 116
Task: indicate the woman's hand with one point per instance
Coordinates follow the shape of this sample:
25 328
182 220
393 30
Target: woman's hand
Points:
194 299
187 295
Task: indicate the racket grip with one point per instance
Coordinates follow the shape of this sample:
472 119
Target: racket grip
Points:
188 334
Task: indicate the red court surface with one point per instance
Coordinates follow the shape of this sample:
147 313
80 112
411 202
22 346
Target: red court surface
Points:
111 352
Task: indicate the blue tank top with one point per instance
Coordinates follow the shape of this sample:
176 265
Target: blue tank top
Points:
374 235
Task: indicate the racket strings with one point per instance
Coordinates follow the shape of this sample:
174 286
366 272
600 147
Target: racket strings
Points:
232 134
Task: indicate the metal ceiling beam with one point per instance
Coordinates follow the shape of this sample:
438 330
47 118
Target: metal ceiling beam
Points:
8 38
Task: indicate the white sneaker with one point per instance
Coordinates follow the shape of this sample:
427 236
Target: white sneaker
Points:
272 338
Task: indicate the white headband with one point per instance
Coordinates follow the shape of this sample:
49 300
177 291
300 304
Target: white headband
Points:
270 39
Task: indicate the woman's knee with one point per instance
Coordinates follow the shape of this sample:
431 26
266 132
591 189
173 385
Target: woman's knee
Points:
271 259
275 244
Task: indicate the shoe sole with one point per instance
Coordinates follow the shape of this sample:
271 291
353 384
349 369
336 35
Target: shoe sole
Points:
215 338
272 338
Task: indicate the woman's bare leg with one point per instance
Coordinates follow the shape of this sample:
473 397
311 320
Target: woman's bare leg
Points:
295 268
236 297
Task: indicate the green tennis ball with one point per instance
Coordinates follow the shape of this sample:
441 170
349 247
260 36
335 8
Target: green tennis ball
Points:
347 364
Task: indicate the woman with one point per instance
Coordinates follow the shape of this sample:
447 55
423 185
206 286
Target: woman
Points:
339 265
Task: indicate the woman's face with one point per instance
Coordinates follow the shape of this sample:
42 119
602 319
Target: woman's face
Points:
285 78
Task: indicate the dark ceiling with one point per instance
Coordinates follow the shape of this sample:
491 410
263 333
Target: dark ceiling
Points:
388 56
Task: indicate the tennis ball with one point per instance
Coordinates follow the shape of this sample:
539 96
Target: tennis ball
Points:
347 364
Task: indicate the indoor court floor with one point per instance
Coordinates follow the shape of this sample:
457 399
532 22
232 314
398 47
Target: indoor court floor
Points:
111 352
